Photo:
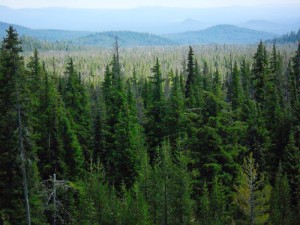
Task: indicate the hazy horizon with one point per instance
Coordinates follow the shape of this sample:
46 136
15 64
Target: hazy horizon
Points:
129 4
158 17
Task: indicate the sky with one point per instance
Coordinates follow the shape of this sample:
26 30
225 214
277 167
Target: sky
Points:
138 3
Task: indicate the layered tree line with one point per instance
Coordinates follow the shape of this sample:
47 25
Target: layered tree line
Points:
194 146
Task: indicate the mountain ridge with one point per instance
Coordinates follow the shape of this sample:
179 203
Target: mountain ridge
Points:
219 34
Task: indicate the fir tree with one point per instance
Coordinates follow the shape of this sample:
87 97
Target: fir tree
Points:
190 73
260 72
77 102
13 119
155 125
236 88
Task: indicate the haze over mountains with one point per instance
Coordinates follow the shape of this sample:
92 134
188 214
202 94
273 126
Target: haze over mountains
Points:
220 34
152 26
158 20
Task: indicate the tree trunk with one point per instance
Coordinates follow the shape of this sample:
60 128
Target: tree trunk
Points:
23 162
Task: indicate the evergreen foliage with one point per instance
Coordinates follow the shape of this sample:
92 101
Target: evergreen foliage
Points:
197 143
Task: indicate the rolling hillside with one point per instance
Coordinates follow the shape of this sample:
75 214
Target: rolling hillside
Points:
221 34
125 38
43 34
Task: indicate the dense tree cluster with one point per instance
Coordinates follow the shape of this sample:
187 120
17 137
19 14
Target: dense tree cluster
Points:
195 146
291 37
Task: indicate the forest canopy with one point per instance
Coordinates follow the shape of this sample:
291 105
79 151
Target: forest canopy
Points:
209 141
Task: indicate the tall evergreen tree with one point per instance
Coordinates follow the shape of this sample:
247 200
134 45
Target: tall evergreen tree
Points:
172 203
60 152
296 67
190 72
78 105
218 203
236 97
18 155
175 112
155 125
260 72
14 198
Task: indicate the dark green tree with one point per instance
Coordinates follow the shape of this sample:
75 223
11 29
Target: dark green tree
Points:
78 106
218 203
17 152
204 207
260 73
280 201
236 91
156 112
171 202
190 72
174 118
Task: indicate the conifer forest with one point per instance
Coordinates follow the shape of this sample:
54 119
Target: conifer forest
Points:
175 135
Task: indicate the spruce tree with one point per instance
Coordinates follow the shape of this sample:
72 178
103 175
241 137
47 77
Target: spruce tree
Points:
260 73
171 201
190 72
60 151
236 88
155 125
296 67
14 149
175 112
78 106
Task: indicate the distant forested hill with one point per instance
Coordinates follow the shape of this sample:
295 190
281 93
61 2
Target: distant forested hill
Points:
43 34
126 39
221 34
44 39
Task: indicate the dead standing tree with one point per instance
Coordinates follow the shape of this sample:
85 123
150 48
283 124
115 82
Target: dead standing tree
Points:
21 145
51 187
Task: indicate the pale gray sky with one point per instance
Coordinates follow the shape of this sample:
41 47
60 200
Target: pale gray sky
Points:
137 3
